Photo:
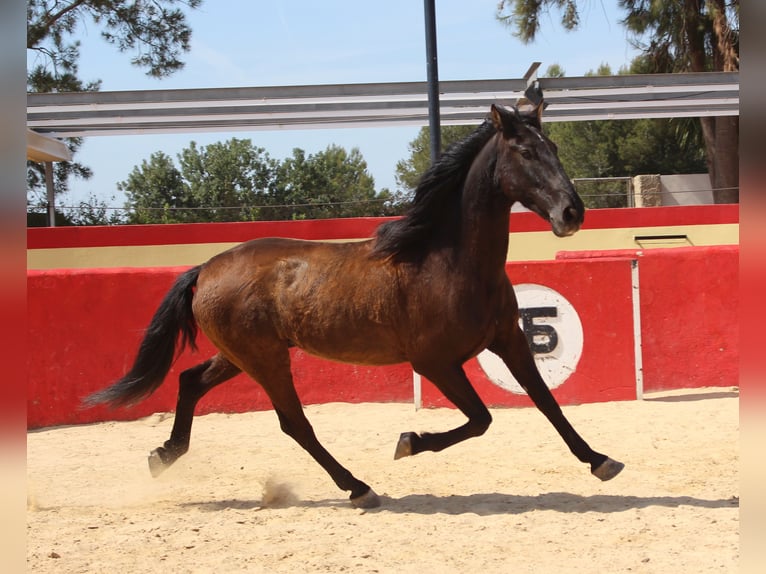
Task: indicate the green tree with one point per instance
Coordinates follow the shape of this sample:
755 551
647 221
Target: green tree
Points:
236 181
675 36
156 31
155 191
219 182
330 183
230 179
603 149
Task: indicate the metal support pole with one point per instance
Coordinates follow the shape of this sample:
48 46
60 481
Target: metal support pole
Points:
533 92
50 194
434 122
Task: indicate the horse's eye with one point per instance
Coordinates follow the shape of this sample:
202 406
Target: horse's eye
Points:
525 153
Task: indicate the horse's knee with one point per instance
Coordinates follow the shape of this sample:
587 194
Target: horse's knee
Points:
479 424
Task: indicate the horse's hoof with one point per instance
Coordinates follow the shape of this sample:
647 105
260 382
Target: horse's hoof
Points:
608 469
404 446
156 465
368 500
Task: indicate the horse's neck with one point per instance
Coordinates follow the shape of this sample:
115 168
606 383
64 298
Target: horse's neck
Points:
485 216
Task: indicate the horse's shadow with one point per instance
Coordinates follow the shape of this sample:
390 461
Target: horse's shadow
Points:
488 504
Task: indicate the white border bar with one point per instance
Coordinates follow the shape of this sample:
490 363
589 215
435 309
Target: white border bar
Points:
637 329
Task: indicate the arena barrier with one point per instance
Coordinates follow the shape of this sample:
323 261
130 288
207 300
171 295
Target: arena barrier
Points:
688 310
604 326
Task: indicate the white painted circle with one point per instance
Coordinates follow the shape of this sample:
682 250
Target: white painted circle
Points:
560 362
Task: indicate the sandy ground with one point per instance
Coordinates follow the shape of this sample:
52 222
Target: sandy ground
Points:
247 499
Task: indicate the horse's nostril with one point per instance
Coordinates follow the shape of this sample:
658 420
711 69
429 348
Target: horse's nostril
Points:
570 215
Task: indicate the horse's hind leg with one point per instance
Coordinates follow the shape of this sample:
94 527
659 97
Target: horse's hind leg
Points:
193 384
272 371
511 345
454 384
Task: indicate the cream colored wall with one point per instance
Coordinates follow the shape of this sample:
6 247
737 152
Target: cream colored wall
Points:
530 246
536 246
123 256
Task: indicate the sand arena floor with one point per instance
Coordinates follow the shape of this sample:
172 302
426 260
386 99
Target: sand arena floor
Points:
247 499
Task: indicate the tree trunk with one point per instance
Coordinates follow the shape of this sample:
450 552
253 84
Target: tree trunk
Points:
726 160
721 134
725 58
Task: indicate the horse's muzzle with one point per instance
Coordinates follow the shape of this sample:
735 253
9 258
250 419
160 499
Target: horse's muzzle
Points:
567 222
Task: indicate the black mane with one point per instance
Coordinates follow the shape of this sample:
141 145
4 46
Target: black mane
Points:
436 200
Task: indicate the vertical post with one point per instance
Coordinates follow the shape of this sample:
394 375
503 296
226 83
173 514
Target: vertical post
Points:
417 393
533 92
637 343
50 193
434 123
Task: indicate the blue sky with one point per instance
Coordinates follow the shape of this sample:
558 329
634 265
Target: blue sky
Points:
276 42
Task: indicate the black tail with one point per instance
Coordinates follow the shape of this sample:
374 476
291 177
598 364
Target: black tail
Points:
158 348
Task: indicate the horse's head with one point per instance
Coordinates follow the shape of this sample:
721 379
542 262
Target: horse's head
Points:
528 169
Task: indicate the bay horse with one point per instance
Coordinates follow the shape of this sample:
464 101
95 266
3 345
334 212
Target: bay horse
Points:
429 288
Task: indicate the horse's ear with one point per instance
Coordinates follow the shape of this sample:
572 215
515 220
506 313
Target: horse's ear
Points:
504 121
531 111
496 115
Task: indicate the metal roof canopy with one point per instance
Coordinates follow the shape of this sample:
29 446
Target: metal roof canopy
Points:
326 106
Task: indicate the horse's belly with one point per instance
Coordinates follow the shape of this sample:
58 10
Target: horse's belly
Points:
359 347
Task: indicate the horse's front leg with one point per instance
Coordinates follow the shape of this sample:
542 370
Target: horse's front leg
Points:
511 346
453 383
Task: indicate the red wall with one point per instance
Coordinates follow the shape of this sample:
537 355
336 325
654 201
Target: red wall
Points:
689 302
689 317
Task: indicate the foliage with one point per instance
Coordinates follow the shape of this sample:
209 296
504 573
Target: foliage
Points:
62 171
594 149
155 188
679 36
523 16
227 179
236 181
625 148
700 36
95 212
628 147
156 31
331 183
674 36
